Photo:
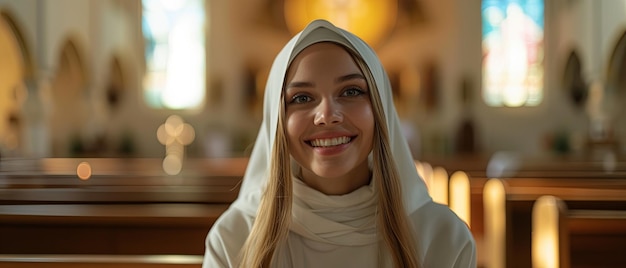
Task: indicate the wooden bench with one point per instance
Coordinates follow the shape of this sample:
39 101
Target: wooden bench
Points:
597 238
508 211
530 170
125 207
478 165
557 179
121 166
99 261
106 229
45 181
211 194
563 237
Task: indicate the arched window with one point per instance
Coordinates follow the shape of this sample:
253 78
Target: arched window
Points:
512 44
174 33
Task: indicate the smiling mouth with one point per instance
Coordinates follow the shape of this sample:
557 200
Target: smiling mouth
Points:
330 142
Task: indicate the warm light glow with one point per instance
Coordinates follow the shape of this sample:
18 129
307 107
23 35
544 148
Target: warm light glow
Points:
460 195
175 134
425 171
172 164
545 232
420 170
439 189
83 171
369 19
494 198
175 130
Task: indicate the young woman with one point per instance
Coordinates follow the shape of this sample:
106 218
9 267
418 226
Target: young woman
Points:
331 181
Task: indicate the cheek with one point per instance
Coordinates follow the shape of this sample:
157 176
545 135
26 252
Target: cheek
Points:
295 127
365 119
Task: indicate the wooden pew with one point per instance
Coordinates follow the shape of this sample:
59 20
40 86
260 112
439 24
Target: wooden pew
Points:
222 194
126 206
44 181
597 238
107 229
100 261
478 165
121 166
476 169
564 237
508 209
529 169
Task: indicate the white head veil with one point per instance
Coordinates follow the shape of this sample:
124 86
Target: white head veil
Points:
414 190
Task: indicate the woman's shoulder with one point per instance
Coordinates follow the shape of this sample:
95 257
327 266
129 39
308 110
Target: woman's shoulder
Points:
440 221
234 222
435 215
226 237
443 237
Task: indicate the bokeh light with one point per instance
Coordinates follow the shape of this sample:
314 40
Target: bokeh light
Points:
83 171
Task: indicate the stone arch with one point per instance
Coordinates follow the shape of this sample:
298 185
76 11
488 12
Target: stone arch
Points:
110 112
16 70
117 83
615 84
615 89
29 68
70 66
70 101
573 81
616 72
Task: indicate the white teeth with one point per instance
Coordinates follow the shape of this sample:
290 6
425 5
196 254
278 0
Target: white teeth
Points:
330 142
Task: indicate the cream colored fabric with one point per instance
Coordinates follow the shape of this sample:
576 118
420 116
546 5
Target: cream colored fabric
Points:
337 231
443 241
347 220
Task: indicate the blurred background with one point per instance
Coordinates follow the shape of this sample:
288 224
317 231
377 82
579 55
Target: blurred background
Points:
504 103
99 78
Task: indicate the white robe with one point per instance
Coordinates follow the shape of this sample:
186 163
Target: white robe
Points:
443 240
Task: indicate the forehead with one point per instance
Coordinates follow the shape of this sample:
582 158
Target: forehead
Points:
328 54
326 46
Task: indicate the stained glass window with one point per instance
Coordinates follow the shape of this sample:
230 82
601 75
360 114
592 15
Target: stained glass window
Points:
174 34
513 46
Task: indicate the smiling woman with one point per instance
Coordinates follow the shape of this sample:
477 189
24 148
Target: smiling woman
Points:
329 119
331 176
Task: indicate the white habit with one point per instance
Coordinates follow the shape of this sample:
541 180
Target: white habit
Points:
338 231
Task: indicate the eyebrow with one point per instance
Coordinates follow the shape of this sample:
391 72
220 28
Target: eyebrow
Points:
350 77
338 80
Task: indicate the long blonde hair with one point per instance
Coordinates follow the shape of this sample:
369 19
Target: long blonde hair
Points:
271 225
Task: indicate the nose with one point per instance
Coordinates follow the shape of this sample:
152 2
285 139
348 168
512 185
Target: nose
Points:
328 112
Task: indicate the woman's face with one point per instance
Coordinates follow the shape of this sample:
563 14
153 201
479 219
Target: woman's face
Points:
329 118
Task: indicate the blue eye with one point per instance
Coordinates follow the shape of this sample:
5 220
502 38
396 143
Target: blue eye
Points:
353 92
297 99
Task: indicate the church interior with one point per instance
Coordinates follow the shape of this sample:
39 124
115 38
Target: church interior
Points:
125 125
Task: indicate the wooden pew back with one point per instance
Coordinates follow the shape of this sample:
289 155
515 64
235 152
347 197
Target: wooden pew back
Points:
564 237
99 261
120 181
125 207
517 196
